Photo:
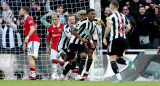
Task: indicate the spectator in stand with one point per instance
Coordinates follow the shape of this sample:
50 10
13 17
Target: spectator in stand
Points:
107 12
132 36
156 41
135 4
125 11
44 21
142 19
39 10
59 11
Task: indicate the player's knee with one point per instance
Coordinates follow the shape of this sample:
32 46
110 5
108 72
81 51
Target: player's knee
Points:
62 63
83 55
54 61
90 55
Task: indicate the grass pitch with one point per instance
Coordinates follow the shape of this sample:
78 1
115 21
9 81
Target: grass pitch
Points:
75 83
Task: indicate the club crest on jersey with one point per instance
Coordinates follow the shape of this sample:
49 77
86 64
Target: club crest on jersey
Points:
59 29
86 32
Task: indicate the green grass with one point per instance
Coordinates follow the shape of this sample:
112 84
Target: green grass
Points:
75 83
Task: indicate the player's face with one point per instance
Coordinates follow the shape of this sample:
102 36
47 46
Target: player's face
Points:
79 17
21 12
91 15
71 20
142 10
55 20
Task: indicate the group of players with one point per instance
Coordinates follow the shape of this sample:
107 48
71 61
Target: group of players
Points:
74 42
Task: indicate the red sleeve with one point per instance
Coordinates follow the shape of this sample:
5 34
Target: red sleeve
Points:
31 22
49 35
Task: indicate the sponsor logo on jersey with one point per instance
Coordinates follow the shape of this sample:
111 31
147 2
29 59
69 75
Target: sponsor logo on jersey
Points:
30 21
86 32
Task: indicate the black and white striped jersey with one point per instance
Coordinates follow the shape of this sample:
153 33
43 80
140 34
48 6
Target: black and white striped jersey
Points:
119 23
85 28
64 40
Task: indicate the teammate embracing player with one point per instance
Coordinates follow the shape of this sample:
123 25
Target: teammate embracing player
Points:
118 26
32 41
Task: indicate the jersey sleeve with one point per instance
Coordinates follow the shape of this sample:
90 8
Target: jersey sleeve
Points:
66 30
49 35
79 24
30 22
109 19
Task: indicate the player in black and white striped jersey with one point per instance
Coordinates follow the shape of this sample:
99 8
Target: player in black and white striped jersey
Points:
117 26
81 32
63 44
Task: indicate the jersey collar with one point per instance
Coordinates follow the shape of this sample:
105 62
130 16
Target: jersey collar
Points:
26 17
57 25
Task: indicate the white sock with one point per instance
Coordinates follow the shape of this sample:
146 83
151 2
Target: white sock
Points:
119 77
127 62
54 68
32 73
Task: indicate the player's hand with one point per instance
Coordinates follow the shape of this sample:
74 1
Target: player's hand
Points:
84 40
24 46
105 41
26 40
48 51
128 4
92 45
49 13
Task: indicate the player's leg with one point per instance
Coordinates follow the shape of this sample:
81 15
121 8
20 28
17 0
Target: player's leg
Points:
33 48
70 54
89 62
32 65
115 68
83 54
54 62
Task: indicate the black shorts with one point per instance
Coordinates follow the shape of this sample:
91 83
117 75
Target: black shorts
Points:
73 48
117 46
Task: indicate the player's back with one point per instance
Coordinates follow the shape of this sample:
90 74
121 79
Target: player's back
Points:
28 22
119 23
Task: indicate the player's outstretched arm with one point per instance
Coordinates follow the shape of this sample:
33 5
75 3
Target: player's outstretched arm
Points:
107 31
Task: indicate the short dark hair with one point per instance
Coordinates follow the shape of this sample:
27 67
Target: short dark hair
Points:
142 7
89 10
27 9
115 3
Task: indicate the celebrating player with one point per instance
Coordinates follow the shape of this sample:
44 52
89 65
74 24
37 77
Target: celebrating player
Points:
63 44
31 40
117 24
54 31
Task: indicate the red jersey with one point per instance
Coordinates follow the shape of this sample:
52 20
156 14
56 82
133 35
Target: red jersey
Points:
55 33
28 22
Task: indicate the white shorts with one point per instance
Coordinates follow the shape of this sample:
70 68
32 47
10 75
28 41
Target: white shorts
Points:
53 55
32 49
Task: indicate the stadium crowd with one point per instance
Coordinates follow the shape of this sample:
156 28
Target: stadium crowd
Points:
11 24
144 19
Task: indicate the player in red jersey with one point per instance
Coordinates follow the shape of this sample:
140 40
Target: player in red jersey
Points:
32 41
54 32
